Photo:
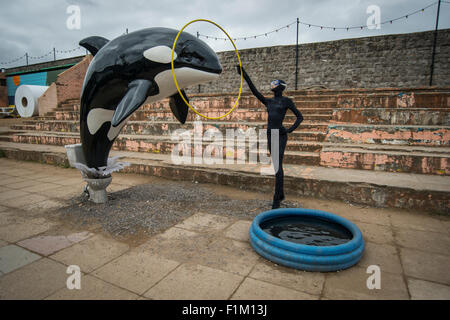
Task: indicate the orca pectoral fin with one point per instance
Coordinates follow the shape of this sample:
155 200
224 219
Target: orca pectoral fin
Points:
93 44
135 96
179 107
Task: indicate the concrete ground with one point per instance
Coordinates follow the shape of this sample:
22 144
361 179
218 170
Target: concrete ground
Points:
204 256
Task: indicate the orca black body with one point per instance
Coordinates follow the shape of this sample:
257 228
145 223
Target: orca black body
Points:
126 71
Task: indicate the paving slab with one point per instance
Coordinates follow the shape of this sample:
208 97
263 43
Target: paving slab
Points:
54 178
252 289
239 230
376 233
425 265
204 222
178 244
39 175
351 284
420 222
93 289
34 281
91 253
425 290
385 256
48 244
70 181
19 172
41 187
23 184
195 282
13 257
229 255
368 215
15 231
3 243
8 217
205 249
309 282
26 201
47 204
6 196
10 180
62 192
136 270
432 242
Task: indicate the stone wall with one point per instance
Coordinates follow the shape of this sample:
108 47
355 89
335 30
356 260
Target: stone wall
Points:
401 60
3 91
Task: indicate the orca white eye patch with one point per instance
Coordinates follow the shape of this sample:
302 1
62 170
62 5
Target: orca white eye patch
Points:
160 54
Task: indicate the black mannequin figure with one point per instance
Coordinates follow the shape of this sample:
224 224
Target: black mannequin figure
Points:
276 111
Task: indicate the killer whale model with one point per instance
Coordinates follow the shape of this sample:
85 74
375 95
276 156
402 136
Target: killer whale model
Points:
129 69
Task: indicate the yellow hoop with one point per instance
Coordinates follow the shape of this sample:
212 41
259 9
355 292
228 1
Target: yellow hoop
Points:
175 79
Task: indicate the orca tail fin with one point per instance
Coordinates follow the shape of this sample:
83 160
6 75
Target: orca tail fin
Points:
93 44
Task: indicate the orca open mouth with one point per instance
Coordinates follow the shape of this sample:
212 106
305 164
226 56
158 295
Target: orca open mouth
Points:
213 69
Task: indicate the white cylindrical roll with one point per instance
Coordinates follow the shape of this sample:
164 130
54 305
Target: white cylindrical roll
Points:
26 99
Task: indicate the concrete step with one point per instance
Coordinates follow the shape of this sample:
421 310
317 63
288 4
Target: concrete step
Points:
394 100
393 116
395 158
154 115
163 106
301 98
389 134
367 91
382 189
159 127
165 145
427 161
315 104
220 106
308 135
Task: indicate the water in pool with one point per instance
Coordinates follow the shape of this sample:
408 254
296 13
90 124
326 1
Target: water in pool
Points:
306 230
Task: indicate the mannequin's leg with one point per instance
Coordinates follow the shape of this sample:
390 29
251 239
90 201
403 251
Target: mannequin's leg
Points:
279 175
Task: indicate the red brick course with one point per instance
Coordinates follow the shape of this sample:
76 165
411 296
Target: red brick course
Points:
3 93
70 82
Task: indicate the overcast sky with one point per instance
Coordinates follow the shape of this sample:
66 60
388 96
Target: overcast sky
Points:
38 26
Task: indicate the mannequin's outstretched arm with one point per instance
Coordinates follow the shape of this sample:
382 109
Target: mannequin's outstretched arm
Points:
255 92
297 113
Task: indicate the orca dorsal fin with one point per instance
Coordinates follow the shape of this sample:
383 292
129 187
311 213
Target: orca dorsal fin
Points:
93 44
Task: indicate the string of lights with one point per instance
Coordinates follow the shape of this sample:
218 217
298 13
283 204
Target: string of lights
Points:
265 34
68 51
25 56
14 60
361 27
40 57
254 36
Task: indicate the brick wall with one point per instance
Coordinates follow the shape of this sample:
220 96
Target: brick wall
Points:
70 82
401 60
48 101
3 91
